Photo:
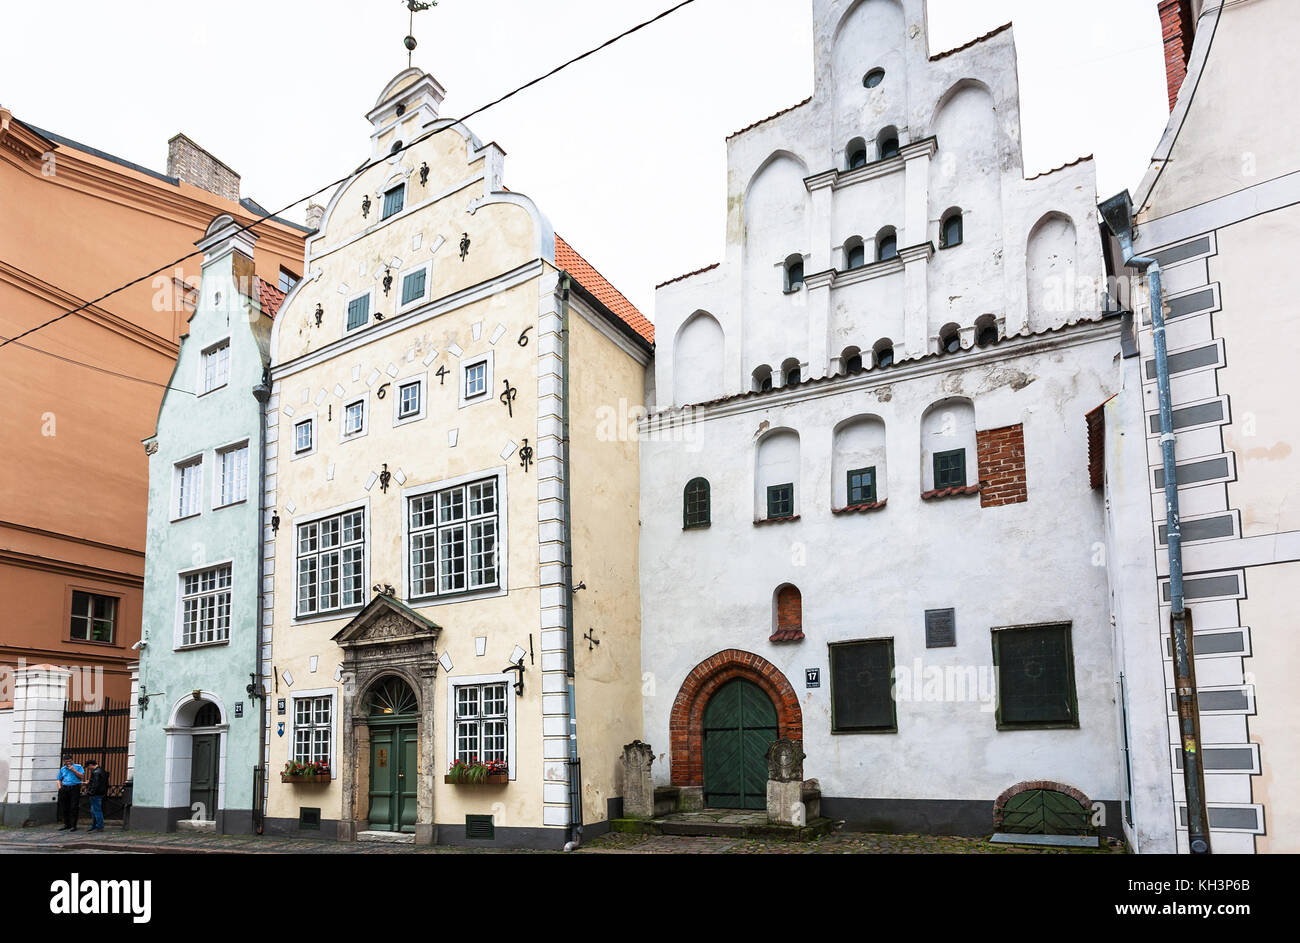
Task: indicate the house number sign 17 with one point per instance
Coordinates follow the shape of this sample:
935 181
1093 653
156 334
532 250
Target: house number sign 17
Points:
812 677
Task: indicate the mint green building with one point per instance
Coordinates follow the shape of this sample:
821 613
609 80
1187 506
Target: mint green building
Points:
198 734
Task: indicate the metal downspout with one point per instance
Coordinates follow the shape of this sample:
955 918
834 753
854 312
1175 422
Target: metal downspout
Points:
1118 214
256 694
575 789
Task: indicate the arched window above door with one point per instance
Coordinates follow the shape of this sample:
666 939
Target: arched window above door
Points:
391 697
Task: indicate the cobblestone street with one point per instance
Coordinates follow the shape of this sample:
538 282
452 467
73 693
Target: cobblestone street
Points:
49 840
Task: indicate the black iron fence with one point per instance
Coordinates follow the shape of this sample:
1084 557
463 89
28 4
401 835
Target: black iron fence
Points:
101 734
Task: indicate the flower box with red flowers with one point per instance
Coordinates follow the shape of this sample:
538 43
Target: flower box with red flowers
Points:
474 773
302 773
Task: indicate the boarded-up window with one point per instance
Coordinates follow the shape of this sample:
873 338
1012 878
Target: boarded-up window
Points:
862 687
1035 669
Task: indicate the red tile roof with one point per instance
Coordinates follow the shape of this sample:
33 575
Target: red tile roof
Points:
1077 160
783 111
786 635
568 259
1096 420
859 508
978 39
949 492
270 297
698 271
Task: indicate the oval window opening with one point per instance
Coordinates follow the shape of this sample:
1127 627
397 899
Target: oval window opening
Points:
873 78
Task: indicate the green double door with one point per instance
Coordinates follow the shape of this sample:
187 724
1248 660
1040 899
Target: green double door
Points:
739 724
394 752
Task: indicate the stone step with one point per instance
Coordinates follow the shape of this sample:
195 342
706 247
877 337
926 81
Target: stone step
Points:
391 838
691 826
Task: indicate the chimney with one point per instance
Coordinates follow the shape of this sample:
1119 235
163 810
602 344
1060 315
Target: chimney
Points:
191 163
315 213
1178 26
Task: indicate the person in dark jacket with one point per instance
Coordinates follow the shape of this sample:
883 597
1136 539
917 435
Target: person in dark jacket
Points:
96 789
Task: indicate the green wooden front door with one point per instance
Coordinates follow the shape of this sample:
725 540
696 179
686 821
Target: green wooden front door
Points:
203 774
393 777
739 724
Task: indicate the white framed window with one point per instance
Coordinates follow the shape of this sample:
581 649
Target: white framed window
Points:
214 371
476 379
304 437
232 474
454 538
331 562
187 488
482 708
205 606
313 728
94 617
358 311
409 400
414 286
354 420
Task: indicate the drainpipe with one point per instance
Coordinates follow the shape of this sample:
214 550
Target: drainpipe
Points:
256 690
1118 214
575 789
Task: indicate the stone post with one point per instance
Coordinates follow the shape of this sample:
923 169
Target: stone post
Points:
638 786
40 693
785 783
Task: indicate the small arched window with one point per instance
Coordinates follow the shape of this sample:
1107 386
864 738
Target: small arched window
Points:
950 229
950 339
855 254
986 330
886 244
209 715
887 143
762 379
787 617
695 504
790 373
884 352
873 78
793 273
856 153
852 359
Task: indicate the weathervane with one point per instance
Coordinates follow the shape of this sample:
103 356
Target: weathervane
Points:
415 6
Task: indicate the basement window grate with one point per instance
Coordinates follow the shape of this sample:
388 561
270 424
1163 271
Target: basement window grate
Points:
309 819
480 828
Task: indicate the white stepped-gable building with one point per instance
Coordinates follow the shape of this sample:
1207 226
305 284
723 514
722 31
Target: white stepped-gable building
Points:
866 467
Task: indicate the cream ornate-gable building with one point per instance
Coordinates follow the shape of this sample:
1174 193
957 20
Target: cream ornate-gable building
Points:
431 546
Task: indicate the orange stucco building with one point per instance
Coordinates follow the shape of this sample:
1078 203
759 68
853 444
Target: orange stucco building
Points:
80 394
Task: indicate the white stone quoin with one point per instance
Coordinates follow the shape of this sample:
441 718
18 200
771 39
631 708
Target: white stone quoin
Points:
40 693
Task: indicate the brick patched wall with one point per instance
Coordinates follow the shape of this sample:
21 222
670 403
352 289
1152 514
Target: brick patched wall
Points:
1176 28
1002 466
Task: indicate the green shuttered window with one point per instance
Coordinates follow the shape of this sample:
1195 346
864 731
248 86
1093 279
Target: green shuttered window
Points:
950 469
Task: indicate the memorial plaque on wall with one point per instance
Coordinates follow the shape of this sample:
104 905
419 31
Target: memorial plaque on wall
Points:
940 628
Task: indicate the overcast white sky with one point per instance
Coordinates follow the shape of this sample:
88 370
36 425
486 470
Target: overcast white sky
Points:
624 152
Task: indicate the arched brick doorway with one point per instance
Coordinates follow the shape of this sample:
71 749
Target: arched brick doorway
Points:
686 723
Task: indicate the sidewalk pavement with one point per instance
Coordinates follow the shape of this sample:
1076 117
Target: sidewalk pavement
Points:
49 840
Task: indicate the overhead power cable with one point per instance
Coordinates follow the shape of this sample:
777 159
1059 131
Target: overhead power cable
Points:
364 167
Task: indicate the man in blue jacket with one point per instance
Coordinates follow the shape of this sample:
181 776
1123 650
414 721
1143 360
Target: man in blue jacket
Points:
70 778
